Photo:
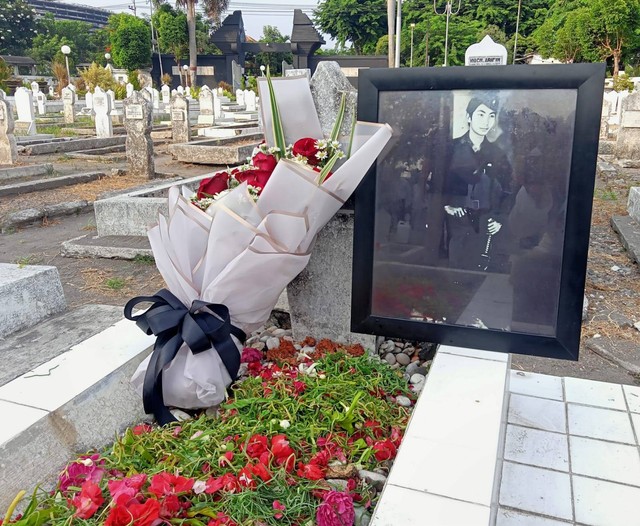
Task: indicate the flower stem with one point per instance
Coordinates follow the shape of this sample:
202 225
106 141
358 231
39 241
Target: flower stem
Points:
13 505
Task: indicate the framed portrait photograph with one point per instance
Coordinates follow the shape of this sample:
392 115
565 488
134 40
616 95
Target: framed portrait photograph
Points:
472 228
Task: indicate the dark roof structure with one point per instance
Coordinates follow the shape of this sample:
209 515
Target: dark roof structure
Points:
95 16
15 60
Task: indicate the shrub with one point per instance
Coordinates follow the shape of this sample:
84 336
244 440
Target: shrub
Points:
96 75
621 83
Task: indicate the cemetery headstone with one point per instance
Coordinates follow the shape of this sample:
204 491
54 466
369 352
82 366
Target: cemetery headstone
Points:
327 86
166 94
139 146
8 149
217 105
240 97
180 90
181 131
220 91
41 103
187 92
297 72
286 67
156 98
236 75
51 91
485 53
102 109
206 115
24 106
628 142
604 120
129 88
68 102
250 100
88 100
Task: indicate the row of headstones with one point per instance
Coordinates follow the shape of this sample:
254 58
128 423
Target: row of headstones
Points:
622 110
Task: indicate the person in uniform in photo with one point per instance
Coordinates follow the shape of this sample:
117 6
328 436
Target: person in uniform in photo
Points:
476 184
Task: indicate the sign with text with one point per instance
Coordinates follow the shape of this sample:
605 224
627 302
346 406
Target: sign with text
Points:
133 112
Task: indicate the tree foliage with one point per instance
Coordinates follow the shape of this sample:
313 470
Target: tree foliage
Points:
130 39
17 27
97 75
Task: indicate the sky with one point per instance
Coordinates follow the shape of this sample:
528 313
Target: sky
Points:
255 13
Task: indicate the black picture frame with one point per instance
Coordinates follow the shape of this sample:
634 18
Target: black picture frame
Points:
548 116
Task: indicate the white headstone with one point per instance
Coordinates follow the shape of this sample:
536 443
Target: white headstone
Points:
240 97
180 90
68 101
220 91
217 105
298 73
187 92
102 109
8 148
129 87
174 92
250 100
485 53
51 91
88 100
206 115
181 129
41 100
156 98
166 94
112 96
24 107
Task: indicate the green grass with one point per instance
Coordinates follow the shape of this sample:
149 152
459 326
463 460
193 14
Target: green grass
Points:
144 259
31 259
607 195
116 283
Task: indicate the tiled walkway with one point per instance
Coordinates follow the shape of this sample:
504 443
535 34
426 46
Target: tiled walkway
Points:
571 453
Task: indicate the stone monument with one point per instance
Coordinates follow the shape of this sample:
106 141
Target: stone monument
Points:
206 115
68 101
24 106
180 129
88 100
187 92
8 149
129 88
138 116
327 86
217 105
240 97
102 109
39 98
250 100
156 99
166 94
628 142
604 120
485 53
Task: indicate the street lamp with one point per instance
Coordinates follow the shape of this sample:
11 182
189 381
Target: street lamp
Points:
413 26
185 68
448 12
398 31
262 68
515 41
65 51
107 57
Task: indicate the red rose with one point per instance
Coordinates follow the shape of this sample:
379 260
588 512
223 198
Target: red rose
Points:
135 513
246 478
254 177
384 450
167 484
264 161
307 148
284 455
256 446
88 500
249 355
260 470
213 185
310 471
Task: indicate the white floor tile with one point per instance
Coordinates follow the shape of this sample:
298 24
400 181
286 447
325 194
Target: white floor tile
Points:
590 392
541 413
516 518
444 469
535 384
474 353
635 419
536 490
537 448
605 460
600 503
632 394
16 418
405 507
595 422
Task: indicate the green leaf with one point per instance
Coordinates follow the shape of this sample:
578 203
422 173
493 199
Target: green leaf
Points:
327 168
335 133
278 132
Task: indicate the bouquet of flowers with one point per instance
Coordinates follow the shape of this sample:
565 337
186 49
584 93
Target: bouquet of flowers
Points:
225 268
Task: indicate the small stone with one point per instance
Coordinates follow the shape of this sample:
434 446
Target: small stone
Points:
279 332
265 337
409 350
259 345
412 368
422 370
417 378
242 371
403 359
637 325
416 388
308 349
403 401
397 349
338 484
390 358
297 346
287 338
377 480
342 471
273 343
253 339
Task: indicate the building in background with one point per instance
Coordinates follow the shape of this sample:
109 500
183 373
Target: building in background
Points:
95 16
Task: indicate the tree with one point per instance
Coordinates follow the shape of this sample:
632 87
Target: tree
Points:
172 32
361 22
17 26
273 60
130 38
214 9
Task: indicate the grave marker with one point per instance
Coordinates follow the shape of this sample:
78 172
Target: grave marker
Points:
181 131
290 72
102 109
24 106
628 142
8 150
206 115
327 86
166 94
68 101
129 88
485 53
250 100
138 115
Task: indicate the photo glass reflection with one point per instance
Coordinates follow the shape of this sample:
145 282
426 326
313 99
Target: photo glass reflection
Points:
471 205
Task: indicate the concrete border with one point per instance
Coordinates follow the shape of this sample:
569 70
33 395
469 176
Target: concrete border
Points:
73 145
30 216
28 170
49 183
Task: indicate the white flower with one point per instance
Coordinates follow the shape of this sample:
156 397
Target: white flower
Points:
321 155
321 144
199 486
335 145
285 424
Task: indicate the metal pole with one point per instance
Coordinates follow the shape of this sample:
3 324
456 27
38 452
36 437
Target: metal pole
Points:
426 45
153 31
391 13
398 31
135 12
66 59
446 36
413 26
515 42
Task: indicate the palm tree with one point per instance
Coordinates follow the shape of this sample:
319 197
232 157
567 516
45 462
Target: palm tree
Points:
213 9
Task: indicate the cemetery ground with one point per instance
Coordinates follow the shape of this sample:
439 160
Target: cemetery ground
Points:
610 346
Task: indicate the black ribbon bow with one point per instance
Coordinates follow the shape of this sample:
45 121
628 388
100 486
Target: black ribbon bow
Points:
201 327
